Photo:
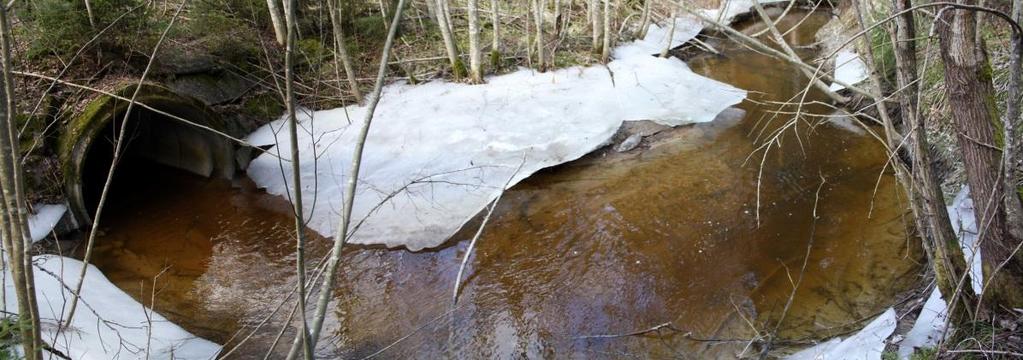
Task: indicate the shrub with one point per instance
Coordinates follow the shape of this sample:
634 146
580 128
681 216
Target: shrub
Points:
61 27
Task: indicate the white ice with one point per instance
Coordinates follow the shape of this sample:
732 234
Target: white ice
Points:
930 325
439 152
849 69
687 26
108 323
44 220
867 344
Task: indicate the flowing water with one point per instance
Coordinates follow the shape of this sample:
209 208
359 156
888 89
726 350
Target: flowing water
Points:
576 258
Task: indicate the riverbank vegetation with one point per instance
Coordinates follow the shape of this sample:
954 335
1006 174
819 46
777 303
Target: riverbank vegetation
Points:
943 99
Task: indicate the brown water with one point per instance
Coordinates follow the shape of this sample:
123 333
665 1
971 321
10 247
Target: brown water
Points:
610 244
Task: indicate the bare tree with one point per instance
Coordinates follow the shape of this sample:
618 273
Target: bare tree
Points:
557 19
1012 177
88 12
341 236
444 22
276 19
644 20
671 32
475 56
341 52
595 20
290 18
13 204
940 240
538 11
605 49
495 52
971 97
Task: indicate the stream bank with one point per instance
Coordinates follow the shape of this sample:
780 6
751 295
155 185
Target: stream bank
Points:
610 244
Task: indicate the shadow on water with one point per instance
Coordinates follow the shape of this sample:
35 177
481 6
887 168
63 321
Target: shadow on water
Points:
609 244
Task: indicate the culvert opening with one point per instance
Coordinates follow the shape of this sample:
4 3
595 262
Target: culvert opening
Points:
152 143
159 136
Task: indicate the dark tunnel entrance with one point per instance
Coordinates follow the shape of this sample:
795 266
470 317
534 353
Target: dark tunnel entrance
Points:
152 142
169 132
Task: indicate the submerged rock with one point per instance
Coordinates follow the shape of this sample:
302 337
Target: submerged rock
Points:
630 143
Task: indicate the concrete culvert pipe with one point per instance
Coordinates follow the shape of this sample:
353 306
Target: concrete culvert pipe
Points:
87 143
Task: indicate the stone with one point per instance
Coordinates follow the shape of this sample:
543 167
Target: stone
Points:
630 143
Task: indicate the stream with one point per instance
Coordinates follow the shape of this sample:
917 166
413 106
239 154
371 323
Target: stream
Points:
578 259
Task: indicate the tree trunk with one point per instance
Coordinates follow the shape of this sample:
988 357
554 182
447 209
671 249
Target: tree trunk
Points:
495 51
431 9
443 21
276 19
340 237
88 12
541 58
943 250
475 55
671 32
644 21
605 49
14 207
971 98
341 52
1012 177
291 21
557 19
595 23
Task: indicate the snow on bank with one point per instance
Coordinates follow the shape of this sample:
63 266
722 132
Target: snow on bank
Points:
447 149
108 323
930 325
686 28
44 220
849 69
867 344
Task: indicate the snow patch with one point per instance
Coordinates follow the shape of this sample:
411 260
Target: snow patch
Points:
657 36
964 223
867 344
439 152
686 28
108 323
44 220
849 69
930 325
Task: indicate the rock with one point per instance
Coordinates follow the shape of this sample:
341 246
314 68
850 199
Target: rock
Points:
210 88
630 143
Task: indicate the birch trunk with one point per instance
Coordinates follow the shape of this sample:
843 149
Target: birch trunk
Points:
276 19
475 53
495 51
605 49
671 33
342 51
291 42
340 237
14 207
541 58
595 23
443 21
644 21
